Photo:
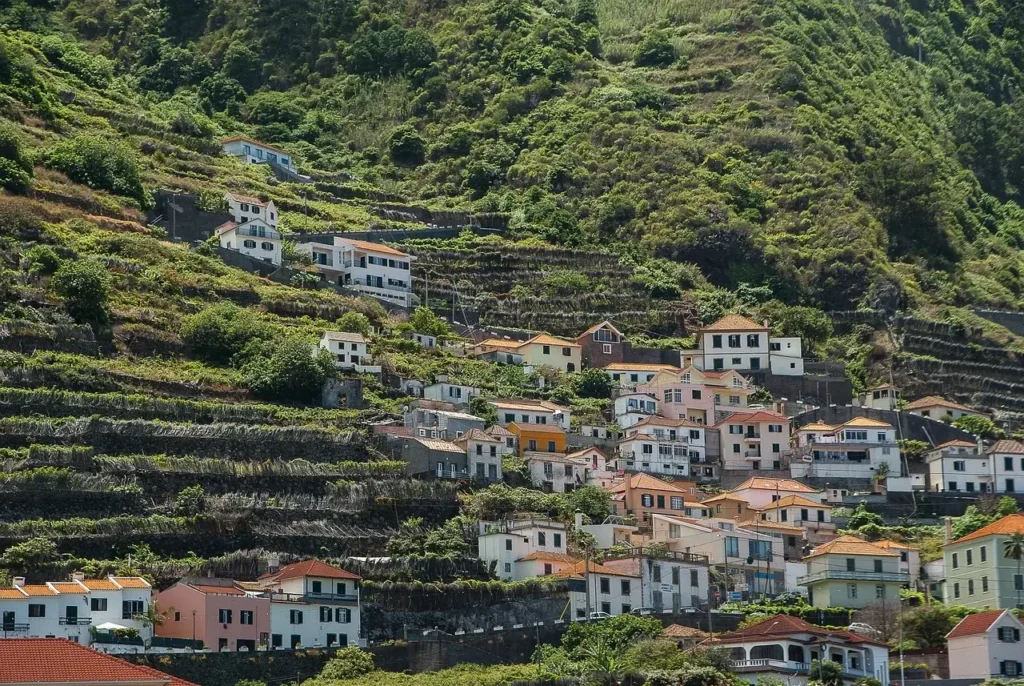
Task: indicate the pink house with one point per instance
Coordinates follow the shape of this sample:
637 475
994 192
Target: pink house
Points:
218 612
695 395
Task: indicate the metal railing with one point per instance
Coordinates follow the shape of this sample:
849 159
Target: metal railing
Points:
312 597
75 621
258 232
9 627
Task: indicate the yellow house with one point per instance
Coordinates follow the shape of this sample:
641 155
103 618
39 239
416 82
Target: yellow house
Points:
545 438
541 350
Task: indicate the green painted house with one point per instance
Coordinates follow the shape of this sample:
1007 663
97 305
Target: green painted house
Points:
979 574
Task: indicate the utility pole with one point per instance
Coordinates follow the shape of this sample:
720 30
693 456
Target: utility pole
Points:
586 579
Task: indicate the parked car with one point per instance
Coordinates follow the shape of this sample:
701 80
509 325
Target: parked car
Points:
642 611
599 615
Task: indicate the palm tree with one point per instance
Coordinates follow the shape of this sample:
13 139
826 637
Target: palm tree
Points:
1013 548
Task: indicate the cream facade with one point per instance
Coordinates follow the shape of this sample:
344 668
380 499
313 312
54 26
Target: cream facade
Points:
754 440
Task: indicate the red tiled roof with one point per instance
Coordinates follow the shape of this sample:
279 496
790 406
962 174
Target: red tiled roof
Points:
936 401
374 247
850 545
38 590
735 322
58 660
975 624
784 625
766 484
218 590
310 568
955 444
642 480
131 582
680 631
1011 524
544 556
579 570
758 416
1008 446
100 585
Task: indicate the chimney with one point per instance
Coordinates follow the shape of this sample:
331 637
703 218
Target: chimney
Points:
273 563
949 530
981 445
78 576
19 581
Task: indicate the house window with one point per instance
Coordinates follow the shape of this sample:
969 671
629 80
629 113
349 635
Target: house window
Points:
295 617
694 578
676 502
222 644
970 587
880 591
984 553
566 352
984 584
716 341
508 567
342 615
851 564
317 586
970 557
606 585
131 608
606 349
224 616
551 449
734 341
956 560
557 540
98 604
851 590
547 349
547 569
1008 634
245 617
276 640
878 566
1009 668
36 610
532 444
647 500
753 340
249 244
956 590
267 247
732 546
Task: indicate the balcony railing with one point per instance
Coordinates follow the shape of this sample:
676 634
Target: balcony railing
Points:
856 575
75 621
751 436
765 663
313 597
10 628
384 286
258 232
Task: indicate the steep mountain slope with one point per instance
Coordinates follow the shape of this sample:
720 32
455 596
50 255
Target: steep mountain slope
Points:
798 144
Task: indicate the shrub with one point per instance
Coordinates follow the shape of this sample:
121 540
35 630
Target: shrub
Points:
406 146
83 288
348 663
295 370
593 383
15 166
354 322
42 260
101 163
219 333
655 50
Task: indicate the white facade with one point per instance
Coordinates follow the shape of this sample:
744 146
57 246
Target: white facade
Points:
786 356
630 375
253 152
754 440
255 238
992 652
506 543
662 446
673 582
349 350
556 473
369 268
886 397
853 450
630 408
423 339
484 453
243 208
957 467
523 412
450 393
611 592
1007 458
68 609
316 609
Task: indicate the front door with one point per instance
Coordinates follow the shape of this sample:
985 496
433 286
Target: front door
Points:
71 612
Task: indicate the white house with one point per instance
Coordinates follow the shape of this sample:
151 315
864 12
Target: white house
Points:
326 596
612 591
784 647
251 151
854 450
243 208
69 609
423 339
958 467
255 238
373 269
507 543
884 397
457 394
668 581
813 517
524 411
935 407
350 351
662 446
557 473
630 408
736 342
760 492
754 440
485 453
1007 458
632 374
986 645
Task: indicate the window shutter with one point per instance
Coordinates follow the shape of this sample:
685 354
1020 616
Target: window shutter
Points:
1016 634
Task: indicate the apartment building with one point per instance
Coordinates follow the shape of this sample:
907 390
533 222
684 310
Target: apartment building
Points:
1007 460
70 609
642 495
484 453
427 421
851 572
667 447
910 558
856 449
695 395
754 440
218 612
668 581
814 518
958 467
312 603
373 269
978 573
510 546
736 342
540 351
557 473
630 408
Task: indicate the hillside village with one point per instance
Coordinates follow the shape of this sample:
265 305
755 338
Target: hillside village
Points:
266 417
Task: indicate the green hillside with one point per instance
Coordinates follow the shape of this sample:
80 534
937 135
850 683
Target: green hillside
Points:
788 158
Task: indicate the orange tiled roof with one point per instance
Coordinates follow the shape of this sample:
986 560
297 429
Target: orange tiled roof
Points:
850 545
310 568
639 367
544 556
1008 446
101 585
764 524
866 421
374 247
545 339
11 594
735 322
38 590
936 401
131 582
755 416
579 569
795 500
766 484
67 587
784 625
955 444
252 200
60 661
1011 524
537 428
975 624
888 545
642 480
818 426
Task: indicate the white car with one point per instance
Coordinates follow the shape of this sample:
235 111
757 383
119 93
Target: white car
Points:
599 615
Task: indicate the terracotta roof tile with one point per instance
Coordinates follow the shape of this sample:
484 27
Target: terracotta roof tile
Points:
11 594
936 401
895 545
58 660
544 556
1008 446
642 480
639 367
850 545
537 428
818 426
374 247
310 568
978 623
101 585
955 444
784 625
38 590
131 582
766 484
866 421
68 587
217 590
755 416
1011 524
735 322
795 500
762 524
578 570
526 404
680 631
545 339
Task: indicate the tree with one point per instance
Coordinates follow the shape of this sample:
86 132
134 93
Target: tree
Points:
82 285
218 333
971 520
617 633
354 322
593 383
861 517
101 163
406 147
423 320
295 371
825 673
409 539
979 426
348 663
1013 548
655 50
484 410
928 625
30 555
